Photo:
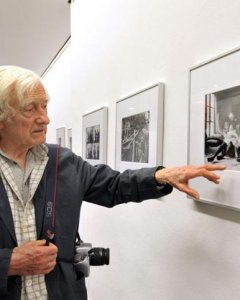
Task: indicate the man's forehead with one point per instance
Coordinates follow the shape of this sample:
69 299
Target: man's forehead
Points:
38 93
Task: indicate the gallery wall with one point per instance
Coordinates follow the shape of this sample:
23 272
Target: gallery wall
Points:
172 248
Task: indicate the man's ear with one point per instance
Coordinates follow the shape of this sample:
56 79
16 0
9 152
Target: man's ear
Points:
1 125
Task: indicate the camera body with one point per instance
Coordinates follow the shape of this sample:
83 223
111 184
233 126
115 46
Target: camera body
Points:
86 256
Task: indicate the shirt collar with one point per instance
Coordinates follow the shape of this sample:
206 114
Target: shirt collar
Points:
39 152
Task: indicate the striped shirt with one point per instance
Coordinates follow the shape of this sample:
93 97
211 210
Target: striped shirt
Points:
20 186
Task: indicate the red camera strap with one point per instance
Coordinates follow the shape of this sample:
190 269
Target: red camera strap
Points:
51 195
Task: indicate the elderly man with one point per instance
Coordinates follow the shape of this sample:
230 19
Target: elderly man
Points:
28 268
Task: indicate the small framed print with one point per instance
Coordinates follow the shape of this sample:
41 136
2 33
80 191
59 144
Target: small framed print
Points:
95 136
214 126
69 138
139 129
60 136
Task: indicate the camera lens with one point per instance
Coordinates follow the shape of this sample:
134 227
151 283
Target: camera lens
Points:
99 256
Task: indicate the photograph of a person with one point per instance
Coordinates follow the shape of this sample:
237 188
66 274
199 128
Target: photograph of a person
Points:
92 142
222 128
135 138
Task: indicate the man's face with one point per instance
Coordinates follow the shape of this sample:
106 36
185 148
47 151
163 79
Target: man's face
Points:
28 126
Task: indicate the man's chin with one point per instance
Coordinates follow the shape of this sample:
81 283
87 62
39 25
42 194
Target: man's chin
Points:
40 141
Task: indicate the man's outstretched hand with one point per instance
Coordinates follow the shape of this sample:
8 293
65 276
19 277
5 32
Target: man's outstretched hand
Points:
179 177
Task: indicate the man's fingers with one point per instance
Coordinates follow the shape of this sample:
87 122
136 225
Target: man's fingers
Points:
211 176
40 242
193 193
207 172
215 167
188 190
179 177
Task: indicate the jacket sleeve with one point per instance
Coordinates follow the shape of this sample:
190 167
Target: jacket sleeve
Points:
129 186
104 186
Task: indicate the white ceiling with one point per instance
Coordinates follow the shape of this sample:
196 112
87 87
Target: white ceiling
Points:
32 32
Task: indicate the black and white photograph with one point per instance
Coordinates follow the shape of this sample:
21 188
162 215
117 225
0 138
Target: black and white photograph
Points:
60 136
222 128
139 129
94 140
135 138
214 126
69 138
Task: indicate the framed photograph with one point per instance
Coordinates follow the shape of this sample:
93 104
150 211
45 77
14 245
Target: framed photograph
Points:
69 138
214 126
95 136
139 129
60 136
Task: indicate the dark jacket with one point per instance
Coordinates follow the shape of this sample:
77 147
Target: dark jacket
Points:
77 181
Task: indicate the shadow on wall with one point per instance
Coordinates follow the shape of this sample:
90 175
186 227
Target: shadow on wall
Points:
217 211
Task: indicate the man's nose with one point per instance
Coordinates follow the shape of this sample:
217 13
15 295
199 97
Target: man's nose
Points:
42 117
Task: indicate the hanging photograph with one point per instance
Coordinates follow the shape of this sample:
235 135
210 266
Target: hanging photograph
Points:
69 138
60 136
95 136
214 126
139 129
222 128
135 138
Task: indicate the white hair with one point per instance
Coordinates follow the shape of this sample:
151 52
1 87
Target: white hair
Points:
15 82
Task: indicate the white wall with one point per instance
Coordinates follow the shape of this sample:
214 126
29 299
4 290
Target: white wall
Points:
172 248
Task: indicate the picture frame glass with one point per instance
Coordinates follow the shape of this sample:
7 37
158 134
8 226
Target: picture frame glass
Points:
139 129
95 136
69 138
60 136
214 126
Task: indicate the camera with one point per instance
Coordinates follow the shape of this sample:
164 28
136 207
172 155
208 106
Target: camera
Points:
86 256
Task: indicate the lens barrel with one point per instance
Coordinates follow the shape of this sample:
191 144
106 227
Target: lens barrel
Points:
99 256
